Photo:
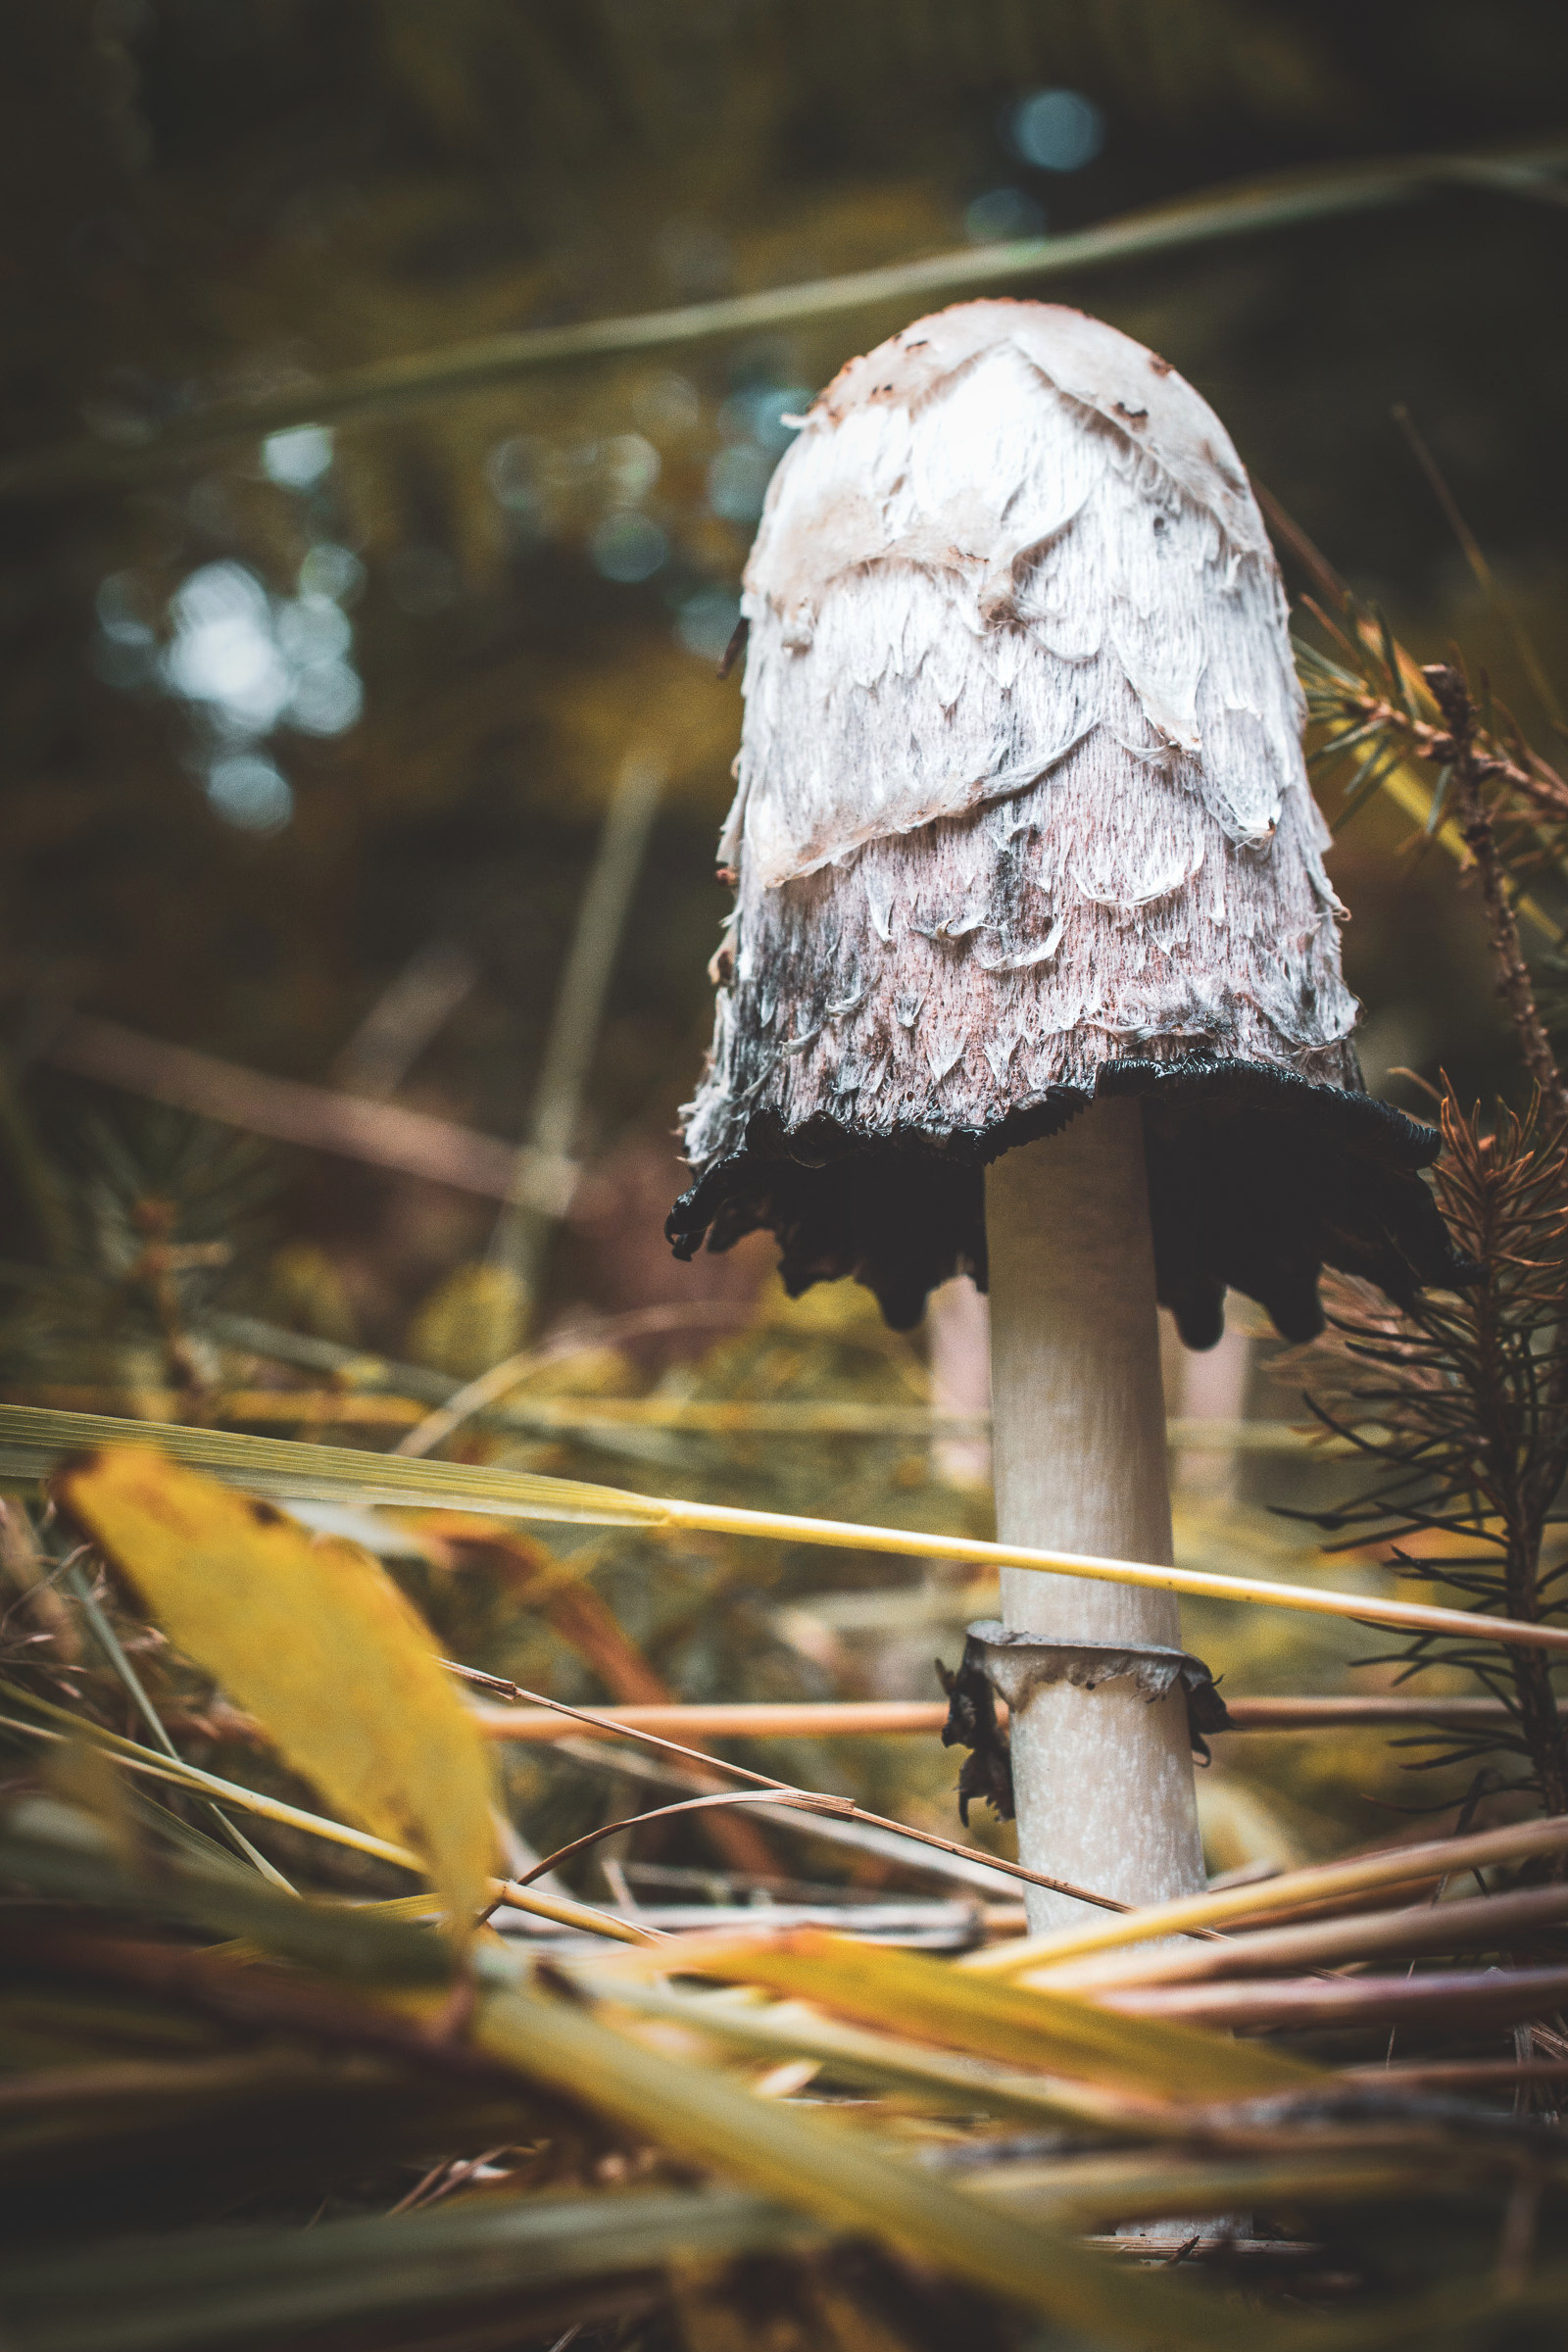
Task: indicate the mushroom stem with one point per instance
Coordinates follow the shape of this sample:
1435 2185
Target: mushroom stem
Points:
1102 1778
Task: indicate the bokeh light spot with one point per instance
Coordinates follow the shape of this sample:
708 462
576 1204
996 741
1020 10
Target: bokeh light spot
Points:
330 569
327 699
123 607
1004 213
1058 130
632 465
628 547
249 792
737 482
667 404
297 459
759 413
512 469
224 652
313 630
251 663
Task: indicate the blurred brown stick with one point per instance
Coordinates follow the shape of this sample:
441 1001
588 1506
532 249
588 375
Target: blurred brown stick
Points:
284 1109
1494 1997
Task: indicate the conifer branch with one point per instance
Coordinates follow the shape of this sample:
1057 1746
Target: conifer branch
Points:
1453 698
1470 1392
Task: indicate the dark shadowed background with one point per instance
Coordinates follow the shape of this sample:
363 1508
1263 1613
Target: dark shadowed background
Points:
311 717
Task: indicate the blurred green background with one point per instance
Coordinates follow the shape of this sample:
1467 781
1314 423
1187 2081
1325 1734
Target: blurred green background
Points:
306 741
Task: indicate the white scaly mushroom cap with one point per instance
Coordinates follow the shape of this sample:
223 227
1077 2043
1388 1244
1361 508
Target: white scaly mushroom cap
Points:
1005 530
1022 819
1022 786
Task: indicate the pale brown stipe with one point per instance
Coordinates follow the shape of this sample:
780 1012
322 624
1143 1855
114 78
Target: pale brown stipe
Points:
1103 1776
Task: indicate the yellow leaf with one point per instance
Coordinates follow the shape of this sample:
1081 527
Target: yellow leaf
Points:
316 1639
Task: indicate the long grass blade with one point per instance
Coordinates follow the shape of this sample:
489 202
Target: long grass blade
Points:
881 2058
33 1442
1094 2192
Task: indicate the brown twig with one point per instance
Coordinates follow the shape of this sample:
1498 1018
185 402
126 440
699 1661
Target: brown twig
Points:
319 1117
1533 778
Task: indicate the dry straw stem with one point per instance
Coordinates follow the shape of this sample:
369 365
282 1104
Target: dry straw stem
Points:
902 1542
707 1416
481 1398
385 387
1460 2074
1484 1922
33 1442
1323 1882
1093 2190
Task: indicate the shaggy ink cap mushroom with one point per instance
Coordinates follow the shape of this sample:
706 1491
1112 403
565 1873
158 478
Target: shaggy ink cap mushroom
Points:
1023 820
